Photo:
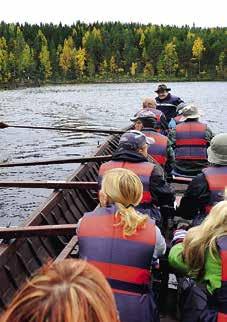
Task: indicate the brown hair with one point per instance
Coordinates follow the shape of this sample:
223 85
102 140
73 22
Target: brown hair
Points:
67 291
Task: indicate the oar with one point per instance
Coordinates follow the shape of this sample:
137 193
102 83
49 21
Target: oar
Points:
110 131
58 161
50 184
34 231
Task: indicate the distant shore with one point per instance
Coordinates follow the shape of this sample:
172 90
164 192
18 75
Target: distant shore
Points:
38 83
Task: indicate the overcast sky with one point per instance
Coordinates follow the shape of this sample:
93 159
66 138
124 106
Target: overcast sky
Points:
204 13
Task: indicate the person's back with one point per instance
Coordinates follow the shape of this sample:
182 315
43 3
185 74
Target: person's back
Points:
132 154
207 188
202 255
67 291
122 244
190 140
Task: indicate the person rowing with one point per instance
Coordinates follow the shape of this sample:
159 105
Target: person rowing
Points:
149 104
207 188
123 244
161 150
132 154
190 141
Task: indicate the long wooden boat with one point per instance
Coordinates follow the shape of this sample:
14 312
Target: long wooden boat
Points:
20 258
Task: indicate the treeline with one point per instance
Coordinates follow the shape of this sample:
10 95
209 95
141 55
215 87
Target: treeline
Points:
110 51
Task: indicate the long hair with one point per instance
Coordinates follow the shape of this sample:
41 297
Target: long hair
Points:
203 238
67 291
124 188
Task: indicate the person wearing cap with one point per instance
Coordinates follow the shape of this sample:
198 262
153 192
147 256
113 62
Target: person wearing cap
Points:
207 188
132 154
166 102
190 141
149 104
161 150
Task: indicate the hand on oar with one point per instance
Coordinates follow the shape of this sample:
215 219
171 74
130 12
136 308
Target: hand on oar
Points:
84 130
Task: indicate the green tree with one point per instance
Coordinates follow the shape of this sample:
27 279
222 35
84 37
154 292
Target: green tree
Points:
168 63
4 72
45 65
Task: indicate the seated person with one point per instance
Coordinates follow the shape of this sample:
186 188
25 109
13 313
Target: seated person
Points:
67 291
207 188
123 243
132 154
161 151
166 102
190 141
203 256
149 104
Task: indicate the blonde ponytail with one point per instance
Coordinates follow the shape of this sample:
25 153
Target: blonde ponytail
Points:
124 188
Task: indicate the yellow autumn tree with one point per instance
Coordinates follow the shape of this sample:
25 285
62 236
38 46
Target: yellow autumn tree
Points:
133 69
113 65
66 59
148 70
80 60
198 50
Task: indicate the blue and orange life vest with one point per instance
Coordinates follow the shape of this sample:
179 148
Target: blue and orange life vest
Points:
158 150
142 169
191 143
125 261
221 294
216 178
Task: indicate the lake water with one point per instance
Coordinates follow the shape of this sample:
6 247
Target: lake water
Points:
102 105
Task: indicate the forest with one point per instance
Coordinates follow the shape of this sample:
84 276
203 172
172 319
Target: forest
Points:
110 52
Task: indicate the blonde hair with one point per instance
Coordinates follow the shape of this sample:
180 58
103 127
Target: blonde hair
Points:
203 238
69 291
149 103
124 188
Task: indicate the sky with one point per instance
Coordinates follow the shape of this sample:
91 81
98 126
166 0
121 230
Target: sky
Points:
204 13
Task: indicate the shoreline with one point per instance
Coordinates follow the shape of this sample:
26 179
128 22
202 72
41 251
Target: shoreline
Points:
35 84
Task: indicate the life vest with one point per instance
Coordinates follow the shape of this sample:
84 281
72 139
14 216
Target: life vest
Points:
142 169
216 178
191 143
221 294
158 150
125 261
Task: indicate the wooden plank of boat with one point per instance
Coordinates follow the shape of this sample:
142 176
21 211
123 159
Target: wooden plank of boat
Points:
20 259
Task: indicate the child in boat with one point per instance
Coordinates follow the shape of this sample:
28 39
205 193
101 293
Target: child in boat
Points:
67 291
203 255
123 243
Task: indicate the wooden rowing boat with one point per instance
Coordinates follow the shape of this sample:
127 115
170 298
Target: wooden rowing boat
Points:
20 258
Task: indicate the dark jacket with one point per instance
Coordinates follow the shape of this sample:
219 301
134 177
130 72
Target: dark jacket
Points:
169 99
161 191
169 111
